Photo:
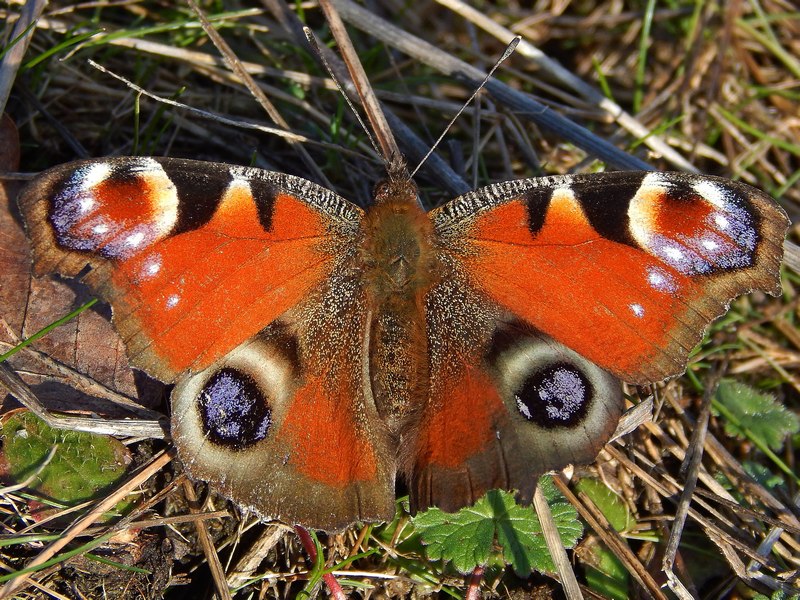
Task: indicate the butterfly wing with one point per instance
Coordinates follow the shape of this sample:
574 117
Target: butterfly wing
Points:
553 289
506 402
627 269
194 257
286 425
213 273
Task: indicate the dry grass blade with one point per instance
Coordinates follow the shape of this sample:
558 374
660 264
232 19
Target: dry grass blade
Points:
80 381
597 522
792 256
288 135
525 106
20 38
691 468
236 65
9 489
217 572
559 555
125 427
366 94
245 568
564 76
633 418
413 147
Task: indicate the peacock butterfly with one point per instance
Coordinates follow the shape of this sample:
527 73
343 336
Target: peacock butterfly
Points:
319 349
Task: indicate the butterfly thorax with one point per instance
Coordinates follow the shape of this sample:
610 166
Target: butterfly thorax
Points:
397 248
399 265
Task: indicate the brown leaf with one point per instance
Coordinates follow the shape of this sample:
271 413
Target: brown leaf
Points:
88 344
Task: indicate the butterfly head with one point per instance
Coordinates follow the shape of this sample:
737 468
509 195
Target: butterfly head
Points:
397 169
397 188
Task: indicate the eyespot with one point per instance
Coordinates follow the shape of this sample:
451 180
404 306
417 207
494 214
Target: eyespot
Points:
237 403
550 386
234 411
557 395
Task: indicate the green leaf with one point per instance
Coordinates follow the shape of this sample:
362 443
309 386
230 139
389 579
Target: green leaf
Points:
777 595
611 505
762 474
752 415
468 538
605 573
465 538
82 465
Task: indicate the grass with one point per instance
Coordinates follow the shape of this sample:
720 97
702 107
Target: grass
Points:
717 85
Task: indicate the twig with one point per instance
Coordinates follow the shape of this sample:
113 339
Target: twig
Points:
597 521
526 107
366 94
288 135
691 466
121 427
217 572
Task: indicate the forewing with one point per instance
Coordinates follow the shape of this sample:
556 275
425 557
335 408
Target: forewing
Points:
627 269
194 257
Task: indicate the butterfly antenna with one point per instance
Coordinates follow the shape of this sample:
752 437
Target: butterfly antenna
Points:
312 39
508 51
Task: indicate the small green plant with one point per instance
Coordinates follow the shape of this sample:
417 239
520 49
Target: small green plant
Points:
760 418
752 415
497 527
777 595
81 466
605 573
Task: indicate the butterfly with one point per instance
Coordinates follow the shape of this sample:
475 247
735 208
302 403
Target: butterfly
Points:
320 351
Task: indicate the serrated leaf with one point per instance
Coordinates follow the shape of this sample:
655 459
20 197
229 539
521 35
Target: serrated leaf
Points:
467 538
549 490
529 552
464 538
751 414
83 463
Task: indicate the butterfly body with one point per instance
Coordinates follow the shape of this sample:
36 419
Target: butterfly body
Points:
399 266
319 351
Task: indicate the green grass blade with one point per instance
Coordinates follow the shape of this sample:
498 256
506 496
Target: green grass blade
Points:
43 332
